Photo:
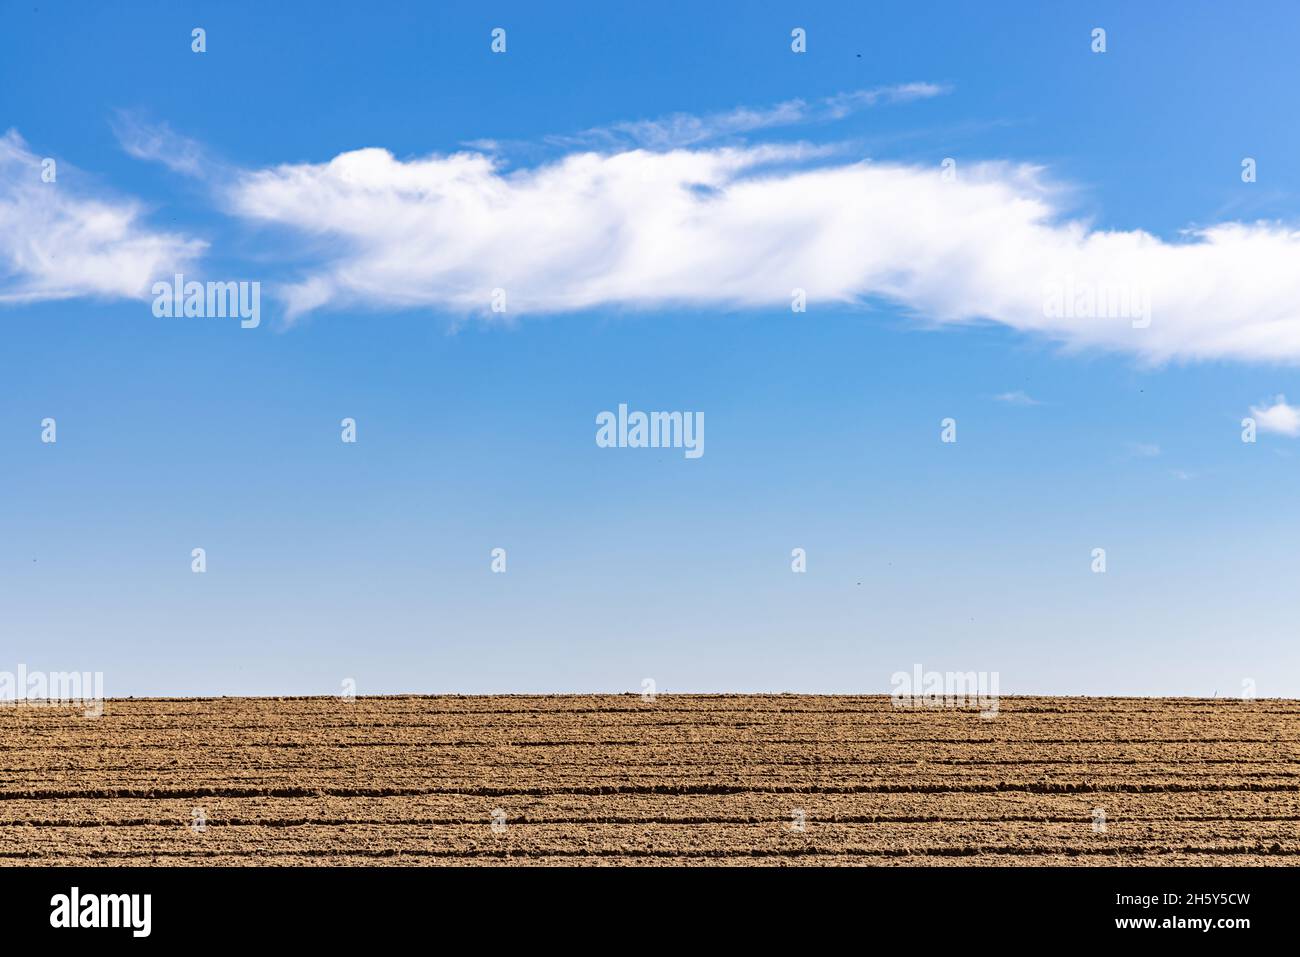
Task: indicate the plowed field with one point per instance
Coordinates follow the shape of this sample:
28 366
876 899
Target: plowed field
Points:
685 779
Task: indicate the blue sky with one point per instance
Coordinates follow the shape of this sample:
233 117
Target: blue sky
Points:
476 430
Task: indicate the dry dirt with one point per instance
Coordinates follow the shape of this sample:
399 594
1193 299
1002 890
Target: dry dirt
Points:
685 779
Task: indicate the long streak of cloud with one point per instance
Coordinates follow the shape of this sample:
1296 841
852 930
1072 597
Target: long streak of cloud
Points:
687 129
746 226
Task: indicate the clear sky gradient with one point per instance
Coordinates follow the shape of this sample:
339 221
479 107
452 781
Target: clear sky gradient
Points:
371 561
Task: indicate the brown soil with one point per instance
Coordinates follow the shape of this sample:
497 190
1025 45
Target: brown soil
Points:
685 779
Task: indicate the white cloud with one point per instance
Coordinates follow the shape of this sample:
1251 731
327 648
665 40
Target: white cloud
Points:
1278 418
57 242
158 143
743 227
1016 398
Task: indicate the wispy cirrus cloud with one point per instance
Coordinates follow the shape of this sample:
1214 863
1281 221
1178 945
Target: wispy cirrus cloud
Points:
57 241
159 143
685 129
1144 450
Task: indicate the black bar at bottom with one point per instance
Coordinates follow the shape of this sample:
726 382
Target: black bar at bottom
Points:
334 906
